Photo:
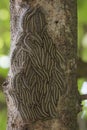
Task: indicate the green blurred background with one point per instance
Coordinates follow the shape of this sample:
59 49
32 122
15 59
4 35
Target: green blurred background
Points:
4 57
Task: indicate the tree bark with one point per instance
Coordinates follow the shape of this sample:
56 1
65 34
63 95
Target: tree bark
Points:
41 88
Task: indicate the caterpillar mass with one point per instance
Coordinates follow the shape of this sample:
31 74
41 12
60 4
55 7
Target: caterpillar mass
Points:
37 69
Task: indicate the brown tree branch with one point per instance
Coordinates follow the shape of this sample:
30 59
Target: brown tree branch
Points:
83 97
81 69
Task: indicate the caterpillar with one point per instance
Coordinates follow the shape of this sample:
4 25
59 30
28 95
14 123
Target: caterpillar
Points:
38 77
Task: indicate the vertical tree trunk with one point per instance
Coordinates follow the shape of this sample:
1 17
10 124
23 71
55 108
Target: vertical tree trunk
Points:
41 89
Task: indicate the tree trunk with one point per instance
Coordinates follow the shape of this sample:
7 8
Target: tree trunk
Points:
41 88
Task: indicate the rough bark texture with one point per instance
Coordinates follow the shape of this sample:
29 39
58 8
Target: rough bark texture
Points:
41 88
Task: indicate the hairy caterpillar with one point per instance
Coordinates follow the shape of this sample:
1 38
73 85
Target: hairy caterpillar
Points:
38 77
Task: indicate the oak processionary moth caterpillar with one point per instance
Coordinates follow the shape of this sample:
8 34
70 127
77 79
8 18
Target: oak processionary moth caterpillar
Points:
37 71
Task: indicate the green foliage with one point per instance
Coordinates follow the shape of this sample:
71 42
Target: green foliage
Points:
4 32
4 27
3 112
3 119
80 82
3 72
2 98
4 50
82 20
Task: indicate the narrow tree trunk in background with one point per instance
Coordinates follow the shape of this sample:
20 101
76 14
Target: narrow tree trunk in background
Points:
41 89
